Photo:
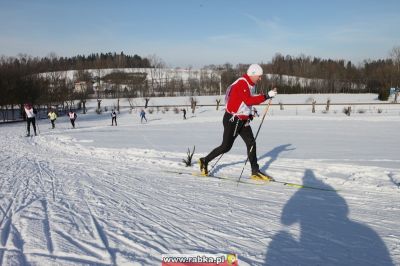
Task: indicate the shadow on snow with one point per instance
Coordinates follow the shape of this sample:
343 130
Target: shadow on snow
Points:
327 236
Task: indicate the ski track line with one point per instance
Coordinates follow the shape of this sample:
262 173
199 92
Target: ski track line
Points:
145 214
11 202
166 227
50 174
104 186
342 185
78 243
6 223
69 205
101 234
144 159
7 164
68 258
88 248
46 226
172 233
48 231
40 184
20 166
22 205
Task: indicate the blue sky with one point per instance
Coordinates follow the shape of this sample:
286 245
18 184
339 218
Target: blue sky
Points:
200 32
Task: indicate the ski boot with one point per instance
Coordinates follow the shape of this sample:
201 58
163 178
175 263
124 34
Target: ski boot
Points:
203 167
260 176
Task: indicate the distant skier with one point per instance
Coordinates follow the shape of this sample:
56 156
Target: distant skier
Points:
236 121
184 113
52 116
113 118
142 116
72 116
30 118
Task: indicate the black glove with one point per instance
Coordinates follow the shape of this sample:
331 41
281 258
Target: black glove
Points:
251 117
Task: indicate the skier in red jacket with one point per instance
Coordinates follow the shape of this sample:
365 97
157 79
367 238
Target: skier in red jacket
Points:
236 121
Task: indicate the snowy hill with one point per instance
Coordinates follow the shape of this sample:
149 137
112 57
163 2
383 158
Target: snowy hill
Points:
103 195
157 73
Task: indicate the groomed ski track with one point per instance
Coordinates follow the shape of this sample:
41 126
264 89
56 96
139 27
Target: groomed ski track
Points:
64 200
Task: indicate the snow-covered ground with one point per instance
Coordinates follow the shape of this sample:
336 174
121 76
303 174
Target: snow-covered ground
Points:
103 195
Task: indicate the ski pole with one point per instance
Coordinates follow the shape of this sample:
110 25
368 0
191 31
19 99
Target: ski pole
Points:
37 125
258 131
212 168
37 118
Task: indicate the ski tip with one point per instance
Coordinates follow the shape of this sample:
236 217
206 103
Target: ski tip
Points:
308 187
199 174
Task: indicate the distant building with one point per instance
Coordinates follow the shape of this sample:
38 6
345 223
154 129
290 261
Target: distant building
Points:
80 86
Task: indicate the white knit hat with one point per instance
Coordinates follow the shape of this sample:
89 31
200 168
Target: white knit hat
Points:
254 70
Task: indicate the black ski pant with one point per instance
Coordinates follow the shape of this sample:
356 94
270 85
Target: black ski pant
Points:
233 128
53 125
112 121
73 122
30 120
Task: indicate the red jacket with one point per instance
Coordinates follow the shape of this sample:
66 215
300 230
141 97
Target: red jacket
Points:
239 99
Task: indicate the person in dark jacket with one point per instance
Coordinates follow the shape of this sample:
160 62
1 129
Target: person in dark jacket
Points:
184 113
113 117
142 116
30 113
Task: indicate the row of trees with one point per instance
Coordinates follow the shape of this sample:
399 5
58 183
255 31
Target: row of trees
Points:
53 63
20 84
335 76
21 79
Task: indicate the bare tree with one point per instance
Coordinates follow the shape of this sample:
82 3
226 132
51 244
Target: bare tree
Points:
395 55
57 90
71 96
193 103
117 78
313 105
147 99
218 102
328 103
98 106
136 85
84 79
156 73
